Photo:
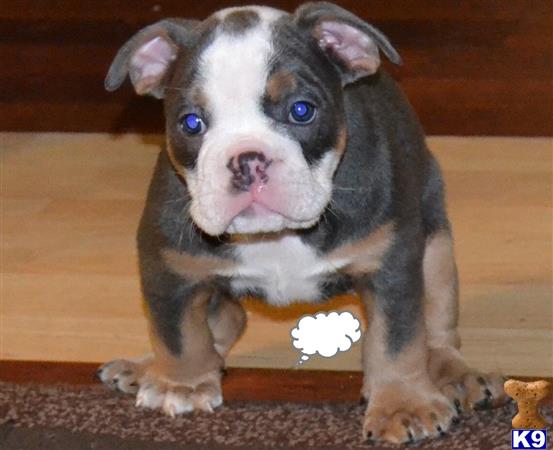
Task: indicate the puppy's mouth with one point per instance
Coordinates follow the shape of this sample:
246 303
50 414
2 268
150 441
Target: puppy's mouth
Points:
256 209
261 201
254 215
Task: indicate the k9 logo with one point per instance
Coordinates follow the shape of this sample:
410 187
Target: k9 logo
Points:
528 439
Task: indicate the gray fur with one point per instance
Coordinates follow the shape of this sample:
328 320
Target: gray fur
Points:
179 32
386 175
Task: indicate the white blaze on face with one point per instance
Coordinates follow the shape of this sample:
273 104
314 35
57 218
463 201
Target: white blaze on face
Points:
233 72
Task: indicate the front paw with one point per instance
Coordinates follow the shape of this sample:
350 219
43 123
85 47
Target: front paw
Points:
203 393
399 413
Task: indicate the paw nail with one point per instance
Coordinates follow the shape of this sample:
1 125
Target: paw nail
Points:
171 411
481 380
208 408
455 421
458 408
488 393
482 404
410 436
224 371
362 400
369 435
133 384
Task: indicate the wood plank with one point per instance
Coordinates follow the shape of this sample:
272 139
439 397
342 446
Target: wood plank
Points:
470 69
70 291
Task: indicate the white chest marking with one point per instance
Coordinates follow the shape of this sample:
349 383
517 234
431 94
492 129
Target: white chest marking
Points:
286 269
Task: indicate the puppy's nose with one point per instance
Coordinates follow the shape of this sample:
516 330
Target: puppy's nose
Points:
248 168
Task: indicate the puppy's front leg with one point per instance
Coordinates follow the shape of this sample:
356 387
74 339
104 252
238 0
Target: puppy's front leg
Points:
185 371
403 402
187 376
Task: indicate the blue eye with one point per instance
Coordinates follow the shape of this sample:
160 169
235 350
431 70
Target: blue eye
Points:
192 124
302 113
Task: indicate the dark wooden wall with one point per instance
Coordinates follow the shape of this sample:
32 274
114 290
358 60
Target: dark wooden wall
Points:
481 67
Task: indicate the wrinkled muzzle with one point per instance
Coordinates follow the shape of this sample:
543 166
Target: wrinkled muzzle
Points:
258 185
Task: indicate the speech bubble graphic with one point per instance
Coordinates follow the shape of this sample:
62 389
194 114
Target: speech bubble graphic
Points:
325 334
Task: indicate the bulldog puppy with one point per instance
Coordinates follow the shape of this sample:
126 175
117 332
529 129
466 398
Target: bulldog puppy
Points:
294 170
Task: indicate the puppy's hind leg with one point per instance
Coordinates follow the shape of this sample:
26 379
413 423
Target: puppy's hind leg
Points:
226 320
122 375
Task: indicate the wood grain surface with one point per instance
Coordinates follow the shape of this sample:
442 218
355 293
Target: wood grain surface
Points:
481 67
69 291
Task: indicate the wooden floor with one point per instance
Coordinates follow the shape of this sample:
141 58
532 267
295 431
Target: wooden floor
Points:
69 286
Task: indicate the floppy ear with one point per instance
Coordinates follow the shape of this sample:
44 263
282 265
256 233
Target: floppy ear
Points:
348 41
148 56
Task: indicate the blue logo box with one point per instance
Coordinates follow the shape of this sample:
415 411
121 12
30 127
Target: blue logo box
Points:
523 439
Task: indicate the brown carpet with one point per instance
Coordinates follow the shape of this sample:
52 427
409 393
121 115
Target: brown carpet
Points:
48 417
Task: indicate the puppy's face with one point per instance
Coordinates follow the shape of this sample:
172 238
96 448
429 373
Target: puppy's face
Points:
254 113
255 126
